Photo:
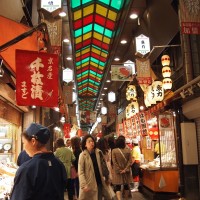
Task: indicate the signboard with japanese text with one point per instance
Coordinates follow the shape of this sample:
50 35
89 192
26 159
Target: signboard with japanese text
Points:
88 117
120 129
142 44
190 16
134 127
36 79
51 5
143 123
128 128
143 71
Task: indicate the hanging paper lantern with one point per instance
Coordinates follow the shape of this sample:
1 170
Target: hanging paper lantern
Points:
134 108
158 90
146 101
131 92
111 96
167 83
166 72
128 112
104 110
165 60
151 95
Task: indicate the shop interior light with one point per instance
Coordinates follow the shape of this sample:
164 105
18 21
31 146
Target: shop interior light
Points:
62 14
66 40
111 96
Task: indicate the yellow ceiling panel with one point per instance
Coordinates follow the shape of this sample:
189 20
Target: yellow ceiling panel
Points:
98 36
78 40
112 15
106 40
101 10
87 36
88 10
77 14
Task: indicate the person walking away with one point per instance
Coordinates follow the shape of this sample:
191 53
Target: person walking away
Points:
43 176
122 160
136 156
76 147
66 156
93 185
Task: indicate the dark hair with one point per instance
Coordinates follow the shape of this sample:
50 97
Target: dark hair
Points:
83 143
59 143
121 142
29 138
102 144
111 142
76 142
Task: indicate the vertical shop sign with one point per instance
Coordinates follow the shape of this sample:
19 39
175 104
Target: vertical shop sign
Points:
143 123
143 71
134 127
128 128
190 16
137 122
36 79
87 117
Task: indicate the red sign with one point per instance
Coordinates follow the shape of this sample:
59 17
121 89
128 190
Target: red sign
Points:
36 78
66 130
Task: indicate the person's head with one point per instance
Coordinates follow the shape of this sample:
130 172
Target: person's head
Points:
34 138
68 142
111 142
135 142
76 143
59 143
121 142
102 144
88 143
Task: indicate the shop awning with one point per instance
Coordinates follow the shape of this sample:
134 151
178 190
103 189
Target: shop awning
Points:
10 30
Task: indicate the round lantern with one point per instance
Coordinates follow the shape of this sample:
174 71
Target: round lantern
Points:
165 60
134 108
131 92
158 90
166 72
167 83
146 101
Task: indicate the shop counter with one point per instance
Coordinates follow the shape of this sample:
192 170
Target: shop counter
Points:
161 180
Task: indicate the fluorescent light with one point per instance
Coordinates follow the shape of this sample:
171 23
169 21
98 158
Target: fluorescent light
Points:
134 16
123 41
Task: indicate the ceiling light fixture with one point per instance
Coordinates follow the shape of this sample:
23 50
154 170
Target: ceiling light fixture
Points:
62 14
68 58
108 81
134 16
116 59
66 40
123 42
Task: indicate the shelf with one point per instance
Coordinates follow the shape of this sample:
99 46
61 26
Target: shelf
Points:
6 153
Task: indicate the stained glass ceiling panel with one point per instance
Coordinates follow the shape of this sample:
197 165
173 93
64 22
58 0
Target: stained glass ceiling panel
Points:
94 25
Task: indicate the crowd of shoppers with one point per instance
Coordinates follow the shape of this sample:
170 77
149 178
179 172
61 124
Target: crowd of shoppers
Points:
76 167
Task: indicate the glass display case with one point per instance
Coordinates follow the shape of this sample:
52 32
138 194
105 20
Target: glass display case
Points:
7 141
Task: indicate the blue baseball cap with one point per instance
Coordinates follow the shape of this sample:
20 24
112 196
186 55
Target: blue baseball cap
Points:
39 132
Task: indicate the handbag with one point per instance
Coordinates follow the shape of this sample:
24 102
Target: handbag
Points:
104 167
128 170
73 173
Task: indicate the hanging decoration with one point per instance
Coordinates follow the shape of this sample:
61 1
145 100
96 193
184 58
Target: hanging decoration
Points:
111 96
131 92
158 90
166 72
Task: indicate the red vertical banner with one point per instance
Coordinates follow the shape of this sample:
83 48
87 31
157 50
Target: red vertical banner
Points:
66 130
128 128
134 127
120 129
36 78
143 123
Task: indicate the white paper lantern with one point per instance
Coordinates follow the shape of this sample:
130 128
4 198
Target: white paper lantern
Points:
166 72
158 90
111 96
128 112
103 110
131 92
151 95
167 83
134 108
165 60
146 101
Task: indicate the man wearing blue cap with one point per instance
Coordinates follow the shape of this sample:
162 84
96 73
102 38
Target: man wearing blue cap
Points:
44 176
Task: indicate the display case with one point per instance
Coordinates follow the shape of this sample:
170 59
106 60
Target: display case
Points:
7 141
160 171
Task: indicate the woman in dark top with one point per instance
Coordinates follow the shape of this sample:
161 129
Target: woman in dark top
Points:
76 147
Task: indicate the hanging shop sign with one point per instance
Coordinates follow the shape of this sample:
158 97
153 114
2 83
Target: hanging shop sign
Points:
131 64
128 128
88 117
143 123
66 130
68 91
190 17
51 5
165 122
131 92
143 71
121 73
142 44
36 78
134 127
